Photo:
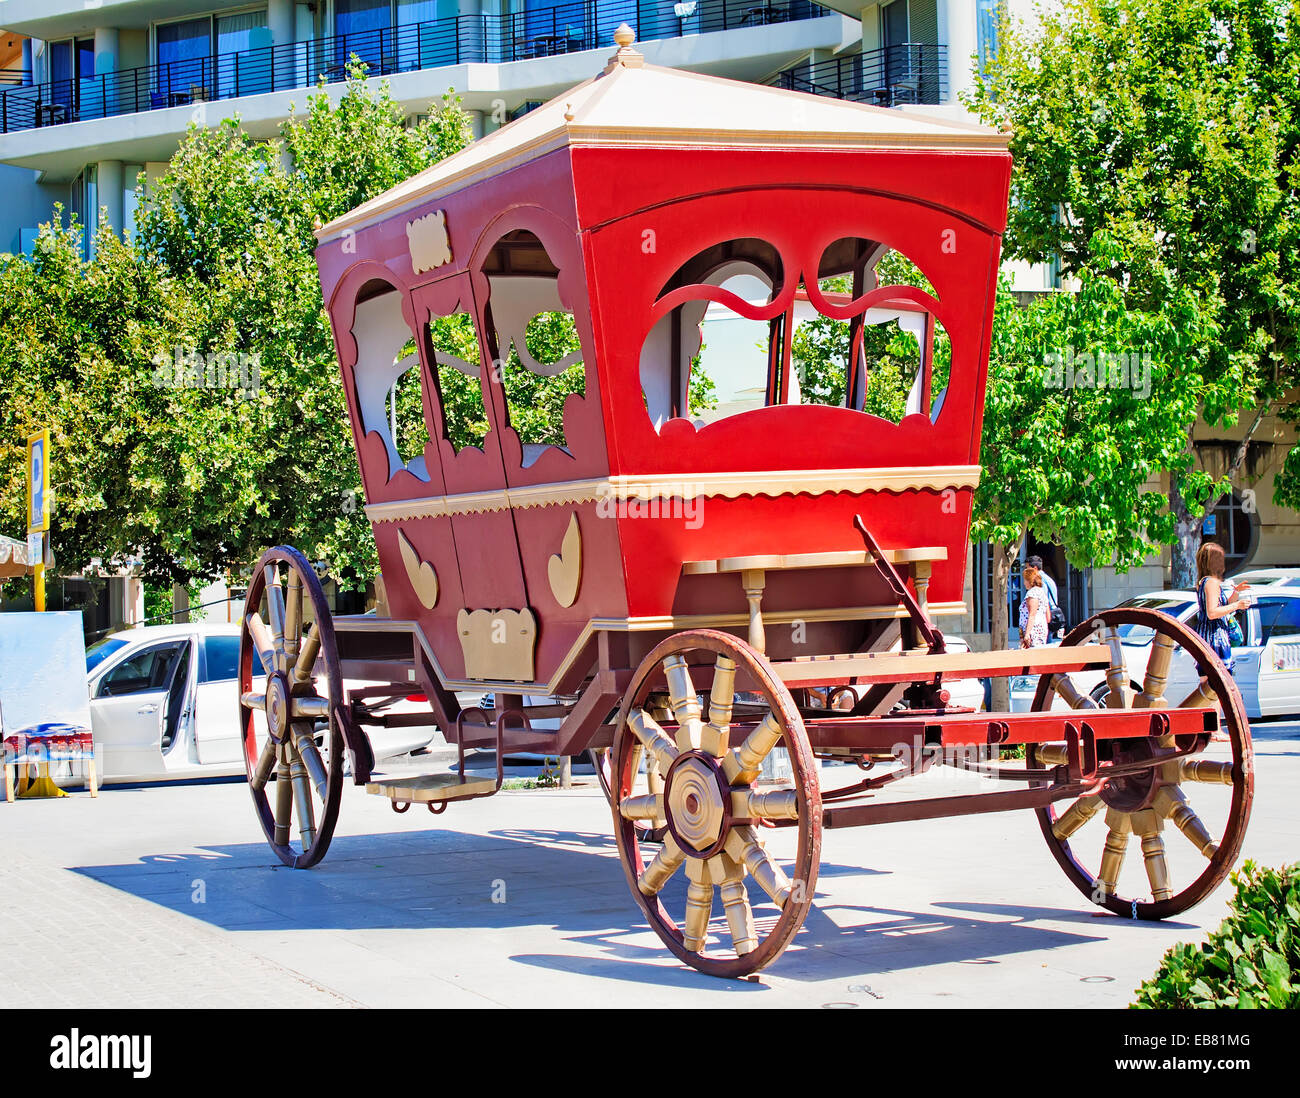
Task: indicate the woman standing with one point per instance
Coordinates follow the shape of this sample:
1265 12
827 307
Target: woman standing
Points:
1213 610
1035 610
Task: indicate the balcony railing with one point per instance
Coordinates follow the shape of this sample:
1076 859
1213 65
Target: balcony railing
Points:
543 32
896 76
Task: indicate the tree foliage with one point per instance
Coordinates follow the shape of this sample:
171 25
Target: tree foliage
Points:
1155 145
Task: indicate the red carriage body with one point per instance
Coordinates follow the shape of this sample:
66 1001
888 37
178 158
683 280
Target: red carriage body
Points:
626 202
692 591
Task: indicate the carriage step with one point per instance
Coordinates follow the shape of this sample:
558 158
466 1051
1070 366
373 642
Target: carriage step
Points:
431 788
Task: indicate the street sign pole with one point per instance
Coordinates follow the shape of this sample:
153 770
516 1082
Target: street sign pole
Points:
38 508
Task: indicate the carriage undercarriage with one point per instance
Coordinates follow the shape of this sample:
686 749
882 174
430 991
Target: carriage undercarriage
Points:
681 733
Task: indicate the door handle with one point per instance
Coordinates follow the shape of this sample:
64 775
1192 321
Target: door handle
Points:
145 710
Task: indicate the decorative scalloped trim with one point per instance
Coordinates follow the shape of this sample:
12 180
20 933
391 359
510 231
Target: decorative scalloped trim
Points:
817 482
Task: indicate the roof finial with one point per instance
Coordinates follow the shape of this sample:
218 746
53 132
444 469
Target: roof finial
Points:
625 57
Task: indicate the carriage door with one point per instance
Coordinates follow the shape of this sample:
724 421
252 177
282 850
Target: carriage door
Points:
455 352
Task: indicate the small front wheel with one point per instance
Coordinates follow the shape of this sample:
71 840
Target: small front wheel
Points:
288 672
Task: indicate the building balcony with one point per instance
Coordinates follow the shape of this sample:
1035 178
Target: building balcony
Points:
907 74
463 40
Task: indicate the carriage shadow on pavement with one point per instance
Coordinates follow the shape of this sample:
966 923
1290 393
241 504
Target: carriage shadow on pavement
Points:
571 881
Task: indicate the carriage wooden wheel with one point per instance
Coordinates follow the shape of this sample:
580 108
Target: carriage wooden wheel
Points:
1206 795
716 820
296 773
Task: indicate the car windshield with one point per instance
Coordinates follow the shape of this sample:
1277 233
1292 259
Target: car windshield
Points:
1144 634
98 652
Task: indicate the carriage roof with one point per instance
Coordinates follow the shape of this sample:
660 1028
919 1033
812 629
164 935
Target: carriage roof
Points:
632 103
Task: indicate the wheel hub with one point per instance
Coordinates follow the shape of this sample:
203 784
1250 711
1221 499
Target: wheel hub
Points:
1133 791
277 708
695 804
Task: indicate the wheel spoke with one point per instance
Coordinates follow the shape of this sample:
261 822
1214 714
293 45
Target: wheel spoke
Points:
262 642
1172 804
1206 770
1112 857
310 708
654 738
1074 817
1053 754
1202 697
1157 674
252 700
741 763
293 616
265 764
275 611
778 804
1116 673
306 662
659 872
1064 686
304 743
699 906
302 800
740 916
283 797
685 704
715 735
1147 824
743 847
649 806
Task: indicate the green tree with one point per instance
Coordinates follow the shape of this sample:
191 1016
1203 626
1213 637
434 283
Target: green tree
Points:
1155 145
1075 436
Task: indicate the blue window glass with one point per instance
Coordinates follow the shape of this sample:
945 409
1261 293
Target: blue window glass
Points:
243 63
363 27
185 57
988 13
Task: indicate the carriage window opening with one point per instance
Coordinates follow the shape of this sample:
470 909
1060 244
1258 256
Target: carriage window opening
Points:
453 351
879 363
387 377
536 342
704 361
406 424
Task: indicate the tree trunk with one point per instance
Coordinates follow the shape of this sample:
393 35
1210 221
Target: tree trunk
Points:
1187 539
998 625
180 603
1188 521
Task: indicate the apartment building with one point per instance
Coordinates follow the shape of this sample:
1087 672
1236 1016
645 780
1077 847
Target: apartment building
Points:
93 93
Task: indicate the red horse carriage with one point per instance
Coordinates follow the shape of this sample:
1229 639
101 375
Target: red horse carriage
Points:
695 596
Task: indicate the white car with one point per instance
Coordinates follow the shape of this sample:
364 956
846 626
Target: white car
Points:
1267 668
163 704
1268 577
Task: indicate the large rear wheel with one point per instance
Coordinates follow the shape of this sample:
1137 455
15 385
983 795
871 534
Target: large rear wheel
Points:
1206 795
721 830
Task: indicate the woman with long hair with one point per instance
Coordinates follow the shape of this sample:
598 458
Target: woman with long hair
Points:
1214 605
1035 610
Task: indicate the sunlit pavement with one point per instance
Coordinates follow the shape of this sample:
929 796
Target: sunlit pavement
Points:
167 896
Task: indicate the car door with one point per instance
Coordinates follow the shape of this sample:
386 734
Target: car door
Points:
1276 663
216 724
130 708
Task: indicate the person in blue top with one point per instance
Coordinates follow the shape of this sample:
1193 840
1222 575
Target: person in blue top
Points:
1214 603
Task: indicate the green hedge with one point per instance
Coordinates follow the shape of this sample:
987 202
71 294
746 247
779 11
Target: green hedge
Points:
1252 960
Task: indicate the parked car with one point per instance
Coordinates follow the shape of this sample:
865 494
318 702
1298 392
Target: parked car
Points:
1267 668
163 705
1268 577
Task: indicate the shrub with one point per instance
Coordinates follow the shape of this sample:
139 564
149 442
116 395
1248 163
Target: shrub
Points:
1252 960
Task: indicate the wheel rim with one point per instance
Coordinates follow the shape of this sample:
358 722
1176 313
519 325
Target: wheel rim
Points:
295 774
1202 800
712 813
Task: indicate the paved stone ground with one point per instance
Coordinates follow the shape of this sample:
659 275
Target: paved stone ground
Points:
100 902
